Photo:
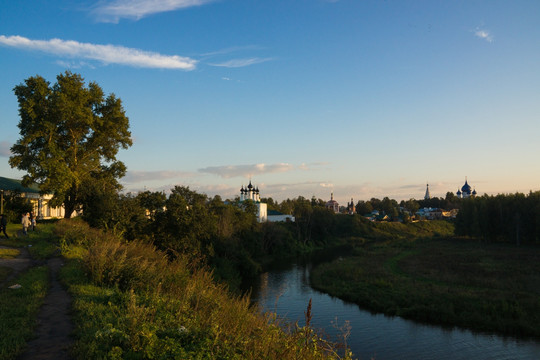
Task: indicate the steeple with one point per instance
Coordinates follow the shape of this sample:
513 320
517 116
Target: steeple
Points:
427 196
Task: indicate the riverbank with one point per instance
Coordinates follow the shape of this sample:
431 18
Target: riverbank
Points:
443 281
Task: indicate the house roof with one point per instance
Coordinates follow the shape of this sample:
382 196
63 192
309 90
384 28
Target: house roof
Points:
274 212
16 185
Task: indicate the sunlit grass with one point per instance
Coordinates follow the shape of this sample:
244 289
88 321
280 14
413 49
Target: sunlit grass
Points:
9 253
132 301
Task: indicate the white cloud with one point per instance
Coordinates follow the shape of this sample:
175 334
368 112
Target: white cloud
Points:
108 54
5 149
484 34
236 63
230 171
113 11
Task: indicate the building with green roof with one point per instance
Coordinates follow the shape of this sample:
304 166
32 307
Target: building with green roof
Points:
40 202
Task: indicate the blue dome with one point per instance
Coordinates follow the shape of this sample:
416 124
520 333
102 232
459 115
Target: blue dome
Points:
466 188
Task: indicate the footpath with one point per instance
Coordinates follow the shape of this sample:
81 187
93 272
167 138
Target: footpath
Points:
52 336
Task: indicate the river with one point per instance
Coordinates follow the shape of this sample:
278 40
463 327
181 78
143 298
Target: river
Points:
285 290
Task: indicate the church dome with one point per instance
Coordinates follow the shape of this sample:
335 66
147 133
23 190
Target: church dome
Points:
466 188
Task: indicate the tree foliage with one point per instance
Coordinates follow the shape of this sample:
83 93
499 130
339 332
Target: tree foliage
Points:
70 135
504 217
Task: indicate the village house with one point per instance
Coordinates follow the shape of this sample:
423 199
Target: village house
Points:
40 203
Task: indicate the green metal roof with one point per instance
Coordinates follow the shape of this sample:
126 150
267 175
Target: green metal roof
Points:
16 185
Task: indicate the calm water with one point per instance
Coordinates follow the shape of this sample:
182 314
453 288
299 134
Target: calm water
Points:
285 290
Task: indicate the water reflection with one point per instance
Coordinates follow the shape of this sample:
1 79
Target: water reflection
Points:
285 290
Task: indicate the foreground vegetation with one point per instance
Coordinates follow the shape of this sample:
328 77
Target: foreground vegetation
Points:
132 301
446 281
19 307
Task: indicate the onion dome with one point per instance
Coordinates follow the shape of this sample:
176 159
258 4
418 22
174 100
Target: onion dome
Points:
466 188
474 192
242 189
250 186
458 192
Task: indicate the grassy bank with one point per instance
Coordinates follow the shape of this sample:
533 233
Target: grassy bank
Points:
453 282
132 301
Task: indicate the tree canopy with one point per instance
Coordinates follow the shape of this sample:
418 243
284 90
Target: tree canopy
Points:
70 136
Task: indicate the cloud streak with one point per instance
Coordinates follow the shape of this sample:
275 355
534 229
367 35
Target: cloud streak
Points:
229 171
484 35
113 11
140 176
237 63
108 54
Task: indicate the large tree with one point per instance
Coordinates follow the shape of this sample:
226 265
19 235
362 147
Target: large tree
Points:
70 135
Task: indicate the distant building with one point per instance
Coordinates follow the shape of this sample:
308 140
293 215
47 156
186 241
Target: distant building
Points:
427 196
351 210
276 216
466 191
332 204
252 193
39 202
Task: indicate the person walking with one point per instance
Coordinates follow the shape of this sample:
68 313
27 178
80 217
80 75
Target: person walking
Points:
25 223
3 225
32 221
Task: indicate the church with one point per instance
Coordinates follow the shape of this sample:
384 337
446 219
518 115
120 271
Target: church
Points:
466 191
252 193
332 204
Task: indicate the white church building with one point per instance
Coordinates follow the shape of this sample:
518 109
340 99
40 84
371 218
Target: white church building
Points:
252 193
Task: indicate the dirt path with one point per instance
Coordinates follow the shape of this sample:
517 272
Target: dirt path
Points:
52 337
54 324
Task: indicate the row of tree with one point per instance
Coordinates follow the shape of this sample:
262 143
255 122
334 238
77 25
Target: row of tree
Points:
504 217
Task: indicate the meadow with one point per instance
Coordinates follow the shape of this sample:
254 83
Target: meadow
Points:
488 287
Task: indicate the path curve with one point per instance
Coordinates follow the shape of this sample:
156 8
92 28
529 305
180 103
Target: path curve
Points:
19 264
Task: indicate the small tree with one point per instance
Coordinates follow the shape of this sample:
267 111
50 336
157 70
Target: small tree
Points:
70 135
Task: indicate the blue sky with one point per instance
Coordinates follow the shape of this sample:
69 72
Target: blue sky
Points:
362 98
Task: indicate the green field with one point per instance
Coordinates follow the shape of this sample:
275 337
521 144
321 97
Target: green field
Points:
451 282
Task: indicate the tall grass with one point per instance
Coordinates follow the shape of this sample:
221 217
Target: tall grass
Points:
133 301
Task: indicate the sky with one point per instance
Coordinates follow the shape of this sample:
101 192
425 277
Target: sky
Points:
362 98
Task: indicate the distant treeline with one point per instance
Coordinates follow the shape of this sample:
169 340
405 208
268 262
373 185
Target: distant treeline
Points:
508 218
226 235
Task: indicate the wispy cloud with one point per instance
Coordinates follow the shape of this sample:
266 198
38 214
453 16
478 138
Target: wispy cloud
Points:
108 54
140 176
237 63
5 149
484 35
230 171
113 11
231 49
